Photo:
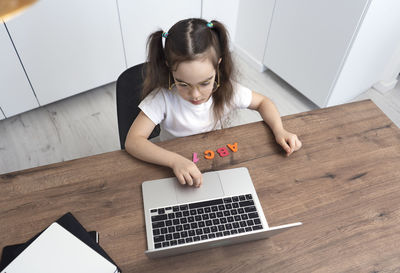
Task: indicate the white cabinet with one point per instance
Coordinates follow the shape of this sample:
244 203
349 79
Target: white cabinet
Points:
253 23
16 94
140 18
309 41
68 47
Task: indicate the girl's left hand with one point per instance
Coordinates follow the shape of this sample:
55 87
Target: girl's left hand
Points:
289 142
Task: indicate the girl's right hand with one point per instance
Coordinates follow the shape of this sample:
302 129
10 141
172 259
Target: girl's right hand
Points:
187 172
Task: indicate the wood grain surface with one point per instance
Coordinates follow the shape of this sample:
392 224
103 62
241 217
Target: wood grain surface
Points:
344 185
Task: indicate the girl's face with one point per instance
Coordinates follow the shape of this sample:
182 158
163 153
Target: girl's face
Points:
194 80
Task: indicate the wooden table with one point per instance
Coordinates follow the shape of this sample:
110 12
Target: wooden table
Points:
344 185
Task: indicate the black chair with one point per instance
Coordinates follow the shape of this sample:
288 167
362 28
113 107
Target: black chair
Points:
129 89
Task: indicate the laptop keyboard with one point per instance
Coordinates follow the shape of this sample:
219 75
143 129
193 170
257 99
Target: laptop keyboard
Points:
205 220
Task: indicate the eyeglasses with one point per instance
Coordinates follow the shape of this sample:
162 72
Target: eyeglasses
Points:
203 87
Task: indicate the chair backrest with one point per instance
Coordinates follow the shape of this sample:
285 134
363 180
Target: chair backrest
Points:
129 89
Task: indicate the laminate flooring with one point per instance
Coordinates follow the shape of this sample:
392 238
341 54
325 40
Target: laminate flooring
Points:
86 124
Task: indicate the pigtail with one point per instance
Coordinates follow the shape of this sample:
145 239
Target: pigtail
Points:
157 72
224 94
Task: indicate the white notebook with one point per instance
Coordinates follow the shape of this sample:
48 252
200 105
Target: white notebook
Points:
58 250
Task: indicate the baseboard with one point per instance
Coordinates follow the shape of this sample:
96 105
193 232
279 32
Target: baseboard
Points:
248 58
384 86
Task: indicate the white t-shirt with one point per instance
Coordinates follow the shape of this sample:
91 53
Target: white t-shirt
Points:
178 117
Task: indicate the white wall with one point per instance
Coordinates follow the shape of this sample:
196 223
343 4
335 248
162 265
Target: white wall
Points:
223 10
377 42
253 22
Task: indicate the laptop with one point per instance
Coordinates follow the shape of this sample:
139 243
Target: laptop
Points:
224 210
58 250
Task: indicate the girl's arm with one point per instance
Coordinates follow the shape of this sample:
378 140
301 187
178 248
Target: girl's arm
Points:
289 142
140 147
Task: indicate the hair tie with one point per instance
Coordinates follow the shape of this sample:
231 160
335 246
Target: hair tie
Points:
210 24
165 35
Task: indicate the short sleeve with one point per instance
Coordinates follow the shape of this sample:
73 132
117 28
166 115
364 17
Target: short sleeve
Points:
153 106
242 96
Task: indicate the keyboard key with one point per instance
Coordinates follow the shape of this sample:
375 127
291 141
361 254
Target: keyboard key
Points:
245 217
228 226
221 228
161 211
168 237
175 208
214 229
168 208
158 245
234 231
208 223
227 213
241 230
171 215
165 244
179 228
213 215
204 237
257 221
201 224
250 209
181 241
223 221
158 238
253 215
184 207
156 231
191 233
248 229
153 210
250 223
221 207
246 203
168 223
164 230
197 218
189 240
211 236
206 230
235 199
248 196
178 214
242 198
199 231
183 220
240 211
158 224
257 227
176 221
190 219
157 218
205 203
196 238
200 211
205 217
220 214
176 235
235 205
174 243
186 213
186 226
228 206
184 234
193 212
219 234
171 229
233 212
235 225
216 221
207 209
243 224
193 225
226 233
227 200
214 208
237 218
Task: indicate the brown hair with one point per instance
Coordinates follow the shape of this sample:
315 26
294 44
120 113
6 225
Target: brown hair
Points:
189 40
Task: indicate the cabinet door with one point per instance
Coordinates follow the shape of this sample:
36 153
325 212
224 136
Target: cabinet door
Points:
16 95
140 18
68 47
309 40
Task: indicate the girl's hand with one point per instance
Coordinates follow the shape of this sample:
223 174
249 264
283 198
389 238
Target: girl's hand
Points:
187 172
289 142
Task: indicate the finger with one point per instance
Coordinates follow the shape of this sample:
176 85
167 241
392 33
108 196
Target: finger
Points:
197 178
284 145
292 143
188 179
181 180
298 144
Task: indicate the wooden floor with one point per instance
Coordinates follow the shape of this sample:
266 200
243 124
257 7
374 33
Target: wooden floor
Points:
86 124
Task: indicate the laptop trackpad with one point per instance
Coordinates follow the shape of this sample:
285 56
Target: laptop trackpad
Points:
211 188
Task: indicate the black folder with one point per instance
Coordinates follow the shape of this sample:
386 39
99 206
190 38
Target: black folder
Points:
67 221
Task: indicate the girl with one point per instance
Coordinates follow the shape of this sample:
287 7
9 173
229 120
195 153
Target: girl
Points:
188 89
